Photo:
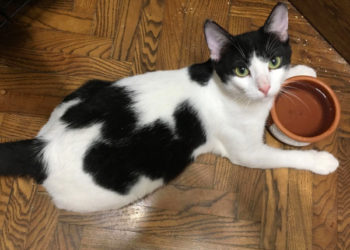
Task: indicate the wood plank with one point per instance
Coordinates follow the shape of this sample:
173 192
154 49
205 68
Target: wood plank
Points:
66 237
56 63
18 127
58 41
246 183
58 19
170 43
21 82
116 239
86 6
66 5
209 159
190 199
197 175
223 175
171 223
28 104
150 27
343 194
106 16
43 223
194 48
249 187
6 184
334 23
324 221
274 215
324 196
299 224
344 126
128 18
17 218
258 11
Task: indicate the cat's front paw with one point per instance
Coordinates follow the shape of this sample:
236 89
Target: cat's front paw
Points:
324 163
301 70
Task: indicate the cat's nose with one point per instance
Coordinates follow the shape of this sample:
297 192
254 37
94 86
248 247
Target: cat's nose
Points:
264 88
263 84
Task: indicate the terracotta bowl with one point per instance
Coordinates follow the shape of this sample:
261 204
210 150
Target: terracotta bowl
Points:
305 111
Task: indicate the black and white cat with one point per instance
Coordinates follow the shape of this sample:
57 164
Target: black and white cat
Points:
111 143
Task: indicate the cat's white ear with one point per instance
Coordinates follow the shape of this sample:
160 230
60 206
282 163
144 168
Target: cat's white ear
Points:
217 38
277 22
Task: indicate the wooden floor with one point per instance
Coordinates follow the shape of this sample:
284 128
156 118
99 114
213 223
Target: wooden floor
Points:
56 45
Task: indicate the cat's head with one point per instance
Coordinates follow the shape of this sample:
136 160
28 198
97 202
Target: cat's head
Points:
252 64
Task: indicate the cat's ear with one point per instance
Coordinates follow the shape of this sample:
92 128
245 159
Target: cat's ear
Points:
217 38
277 22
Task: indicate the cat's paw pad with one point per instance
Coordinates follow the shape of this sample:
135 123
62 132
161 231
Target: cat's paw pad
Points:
301 70
324 163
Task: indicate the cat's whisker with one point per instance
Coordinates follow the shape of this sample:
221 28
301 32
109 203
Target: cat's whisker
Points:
292 87
297 98
267 43
287 96
270 43
237 46
272 48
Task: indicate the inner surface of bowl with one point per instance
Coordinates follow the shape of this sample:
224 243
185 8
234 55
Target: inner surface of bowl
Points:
305 109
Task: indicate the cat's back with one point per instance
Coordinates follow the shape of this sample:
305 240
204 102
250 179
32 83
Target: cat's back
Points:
156 95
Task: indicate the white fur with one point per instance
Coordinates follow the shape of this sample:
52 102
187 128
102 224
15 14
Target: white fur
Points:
156 94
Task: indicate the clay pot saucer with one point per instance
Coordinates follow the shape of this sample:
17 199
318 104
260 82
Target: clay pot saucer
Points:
305 111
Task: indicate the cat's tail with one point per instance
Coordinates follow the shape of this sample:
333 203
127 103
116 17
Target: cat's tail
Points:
22 158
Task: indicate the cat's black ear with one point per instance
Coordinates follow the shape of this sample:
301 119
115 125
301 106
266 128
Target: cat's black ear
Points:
217 38
277 22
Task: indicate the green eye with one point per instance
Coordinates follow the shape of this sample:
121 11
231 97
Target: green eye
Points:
241 71
275 62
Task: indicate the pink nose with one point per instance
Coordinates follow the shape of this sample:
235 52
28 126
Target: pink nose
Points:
265 88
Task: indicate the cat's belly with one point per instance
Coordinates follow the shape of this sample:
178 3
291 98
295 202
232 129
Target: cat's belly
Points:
81 194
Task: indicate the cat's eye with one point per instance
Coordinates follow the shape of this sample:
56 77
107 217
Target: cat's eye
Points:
241 71
275 62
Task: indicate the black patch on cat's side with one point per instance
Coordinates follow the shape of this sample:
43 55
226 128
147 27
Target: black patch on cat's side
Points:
87 90
156 151
201 72
241 48
22 158
102 102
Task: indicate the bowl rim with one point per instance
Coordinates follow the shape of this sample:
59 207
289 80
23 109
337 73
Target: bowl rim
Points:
334 99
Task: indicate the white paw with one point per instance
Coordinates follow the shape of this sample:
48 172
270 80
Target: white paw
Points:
300 70
324 163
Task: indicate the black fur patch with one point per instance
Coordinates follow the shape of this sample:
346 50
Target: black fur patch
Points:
104 103
88 90
201 72
241 48
155 151
22 158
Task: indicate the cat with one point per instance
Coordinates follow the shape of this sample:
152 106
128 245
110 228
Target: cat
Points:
110 143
